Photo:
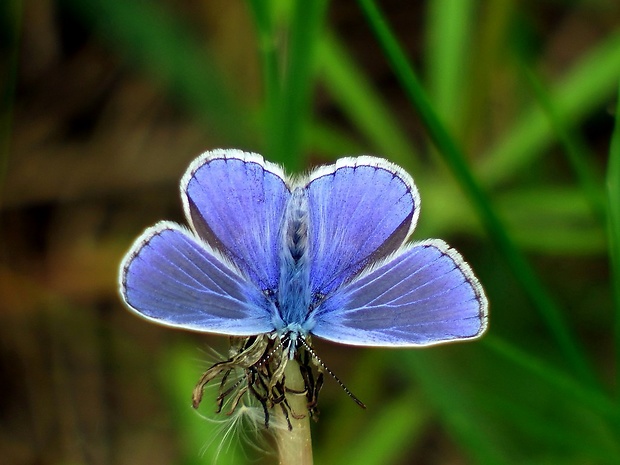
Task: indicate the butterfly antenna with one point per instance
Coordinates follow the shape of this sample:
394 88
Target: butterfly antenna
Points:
332 374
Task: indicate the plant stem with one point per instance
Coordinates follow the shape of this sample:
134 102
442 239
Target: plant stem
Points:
294 446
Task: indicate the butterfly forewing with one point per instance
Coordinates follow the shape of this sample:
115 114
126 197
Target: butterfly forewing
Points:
425 295
236 202
172 279
361 210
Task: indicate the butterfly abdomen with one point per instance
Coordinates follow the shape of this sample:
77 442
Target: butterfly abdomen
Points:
294 288
295 238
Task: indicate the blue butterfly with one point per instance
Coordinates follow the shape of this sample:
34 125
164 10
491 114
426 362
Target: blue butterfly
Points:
321 255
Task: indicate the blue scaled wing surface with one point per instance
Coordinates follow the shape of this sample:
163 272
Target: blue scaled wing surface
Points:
361 210
173 279
235 201
422 296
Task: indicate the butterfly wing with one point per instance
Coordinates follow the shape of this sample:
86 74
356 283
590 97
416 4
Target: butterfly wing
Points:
361 210
172 279
235 201
423 296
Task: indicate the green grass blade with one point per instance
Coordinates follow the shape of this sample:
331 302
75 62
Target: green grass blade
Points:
588 86
392 433
613 209
449 27
268 52
576 151
581 439
360 102
492 27
458 164
552 220
293 108
446 394
590 398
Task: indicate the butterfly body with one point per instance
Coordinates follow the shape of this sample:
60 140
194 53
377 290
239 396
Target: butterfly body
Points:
294 297
321 255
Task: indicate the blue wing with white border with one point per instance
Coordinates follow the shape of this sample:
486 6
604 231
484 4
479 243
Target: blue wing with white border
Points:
424 295
171 278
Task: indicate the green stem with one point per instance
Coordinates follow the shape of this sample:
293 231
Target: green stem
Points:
295 445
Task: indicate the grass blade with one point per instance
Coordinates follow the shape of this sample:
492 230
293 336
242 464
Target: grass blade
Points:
362 105
399 425
293 106
588 86
267 48
448 48
576 151
613 208
446 394
458 164
590 398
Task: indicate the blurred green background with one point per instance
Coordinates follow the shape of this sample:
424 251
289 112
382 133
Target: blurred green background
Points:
503 112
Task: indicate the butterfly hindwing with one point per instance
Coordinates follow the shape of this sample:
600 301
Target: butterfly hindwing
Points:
171 278
422 296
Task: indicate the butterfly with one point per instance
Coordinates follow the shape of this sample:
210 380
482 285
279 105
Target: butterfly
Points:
322 255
